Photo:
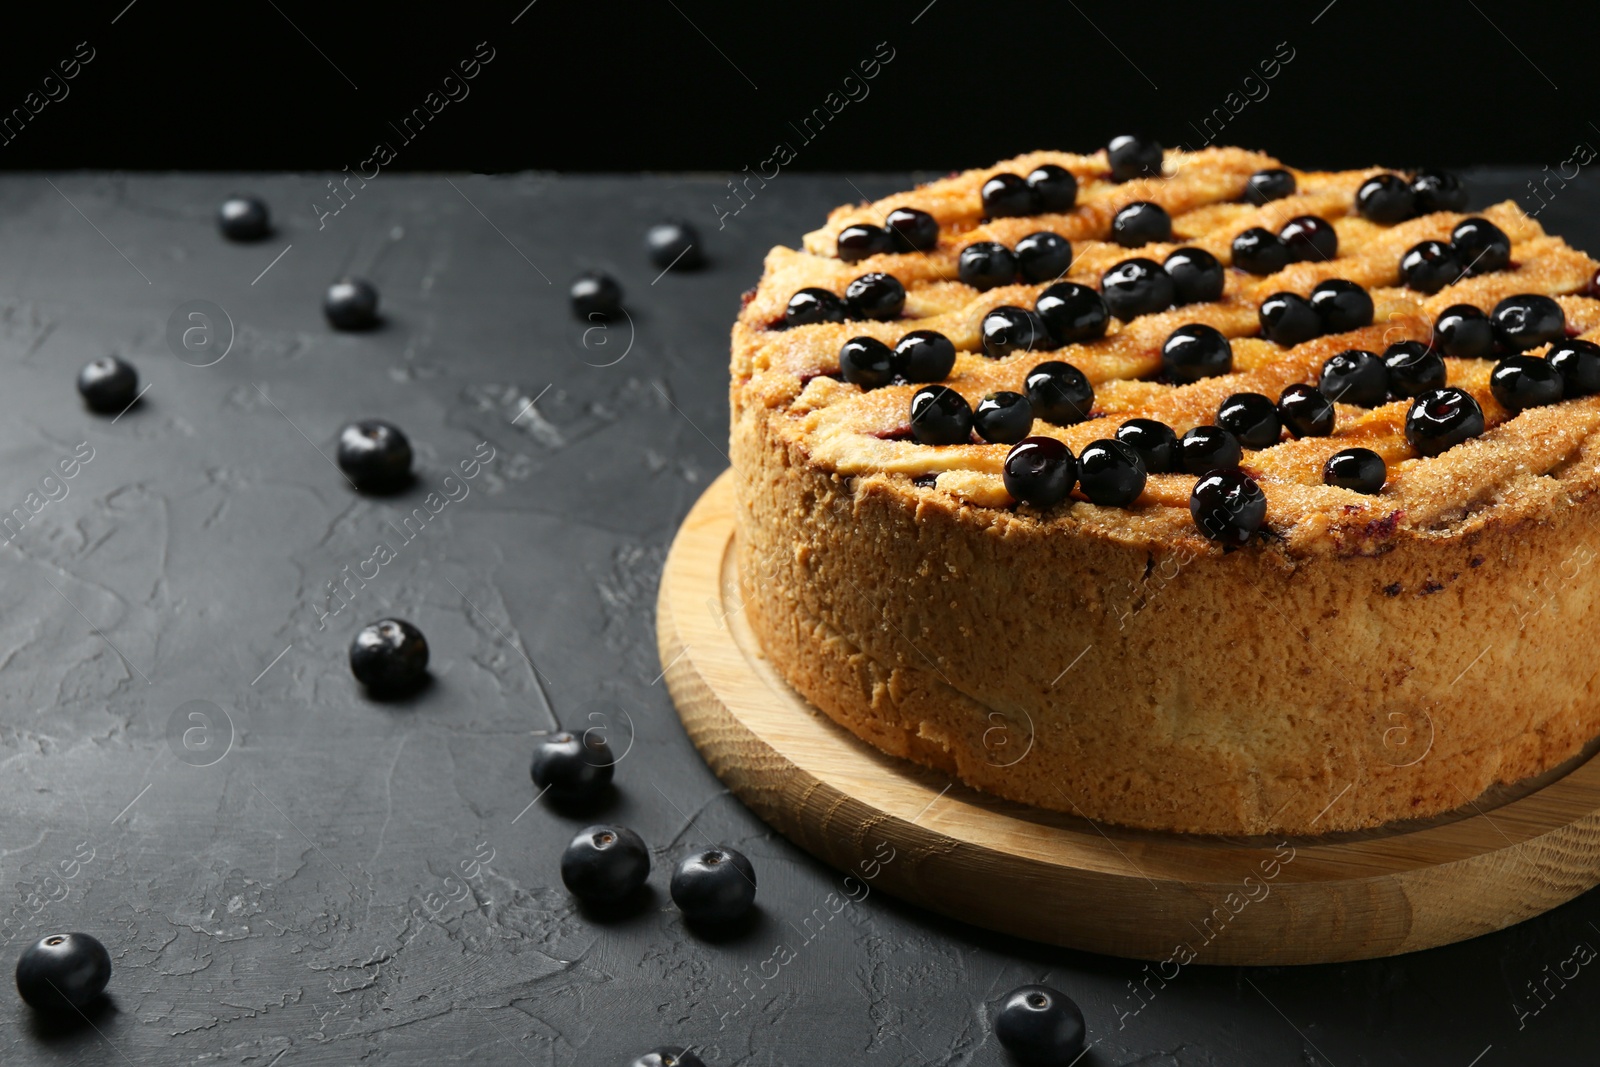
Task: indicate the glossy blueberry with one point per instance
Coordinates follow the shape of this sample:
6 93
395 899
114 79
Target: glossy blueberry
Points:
1155 443
1442 419
1005 195
1207 448
1043 256
1464 332
674 244
572 767
1196 351
1413 368
605 863
1003 418
595 295
1228 506
1059 393
1386 198
863 239
1073 313
714 887
1527 321
1288 319
1438 190
1305 412
1132 157
1252 418
243 218
867 362
668 1056
1141 223
375 455
1259 251
351 304
1040 1027
1008 329
1040 471
1355 376
924 356
389 656
986 264
1525 382
1268 185
912 230
940 416
813 305
1197 275
1481 246
1429 266
1309 238
1360 469
60 972
108 385
1578 363
1342 305
875 296
1110 473
1054 188
1137 287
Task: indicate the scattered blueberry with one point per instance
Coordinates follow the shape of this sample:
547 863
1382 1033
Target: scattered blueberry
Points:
1360 469
668 1056
1228 506
1342 305
1578 363
375 455
605 863
986 264
389 656
1003 418
1007 329
940 416
1288 319
1006 195
1413 368
572 767
1060 393
1438 190
813 305
1482 246
714 887
1259 251
1524 382
924 356
1040 471
63 971
1040 1027
1073 313
1309 238
674 244
1155 443
1268 185
1197 276
1386 198
1464 332
1133 157
1043 256
1207 448
1054 188
1305 412
1196 351
867 362
912 230
595 295
1355 376
1137 287
351 304
108 384
875 296
1528 321
1110 473
1442 419
1141 223
243 218
1252 418
1429 266
863 240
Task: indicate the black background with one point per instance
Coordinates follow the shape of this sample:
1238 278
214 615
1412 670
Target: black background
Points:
697 85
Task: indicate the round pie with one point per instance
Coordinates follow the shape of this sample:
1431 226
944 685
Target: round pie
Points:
1377 641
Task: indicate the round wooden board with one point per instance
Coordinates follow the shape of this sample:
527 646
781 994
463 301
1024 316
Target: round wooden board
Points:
895 827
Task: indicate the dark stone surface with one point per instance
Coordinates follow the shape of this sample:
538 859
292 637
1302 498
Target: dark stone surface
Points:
312 896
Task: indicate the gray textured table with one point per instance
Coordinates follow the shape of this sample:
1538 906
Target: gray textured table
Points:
343 881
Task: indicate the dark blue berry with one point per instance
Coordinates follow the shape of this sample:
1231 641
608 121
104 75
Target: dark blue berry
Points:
572 767
1525 382
668 1056
1196 351
867 362
875 296
1305 412
1040 1027
595 295
1268 185
1132 157
1228 506
1060 393
351 304
1054 188
1442 419
940 416
1386 198
1481 246
1259 251
60 972
108 385
1578 363
1413 368
812 305
1003 418
924 356
1197 275
243 218
1040 471
1464 332
986 264
1355 376
605 863
1429 266
1309 238
862 240
1288 319
714 887
389 657
375 455
1528 321
1006 195
1137 287
1007 329
1360 469
912 230
1155 443
1073 313
1141 223
1252 418
1043 256
1342 305
1206 448
1110 473
1438 190
674 244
